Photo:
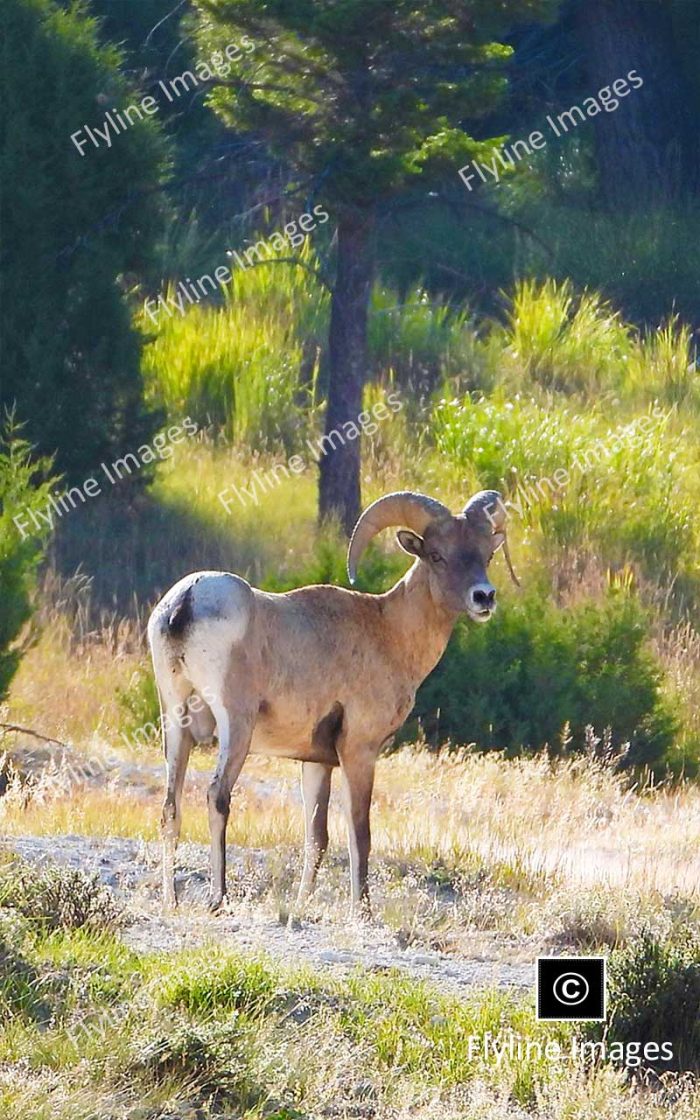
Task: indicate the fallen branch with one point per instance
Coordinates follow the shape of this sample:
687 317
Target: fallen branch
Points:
36 734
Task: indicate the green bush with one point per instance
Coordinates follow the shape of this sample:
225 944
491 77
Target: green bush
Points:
377 572
654 996
22 545
534 670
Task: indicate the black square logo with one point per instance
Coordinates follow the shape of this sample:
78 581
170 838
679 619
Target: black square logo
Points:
571 988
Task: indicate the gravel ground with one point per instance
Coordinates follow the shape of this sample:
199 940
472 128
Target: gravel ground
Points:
255 921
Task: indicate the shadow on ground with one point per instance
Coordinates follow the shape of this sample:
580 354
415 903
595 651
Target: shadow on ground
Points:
132 551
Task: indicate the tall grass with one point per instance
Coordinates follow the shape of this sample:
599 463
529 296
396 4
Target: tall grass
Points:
249 364
564 341
418 337
664 365
569 341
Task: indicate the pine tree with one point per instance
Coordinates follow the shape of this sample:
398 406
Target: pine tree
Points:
361 99
74 227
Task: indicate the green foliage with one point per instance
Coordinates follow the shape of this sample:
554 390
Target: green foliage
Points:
138 703
654 996
475 247
629 487
537 675
21 493
565 341
212 981
73 227
328 565
507 440
417 338
638 259
374 93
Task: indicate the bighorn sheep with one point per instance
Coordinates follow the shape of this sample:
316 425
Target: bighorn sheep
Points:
321 674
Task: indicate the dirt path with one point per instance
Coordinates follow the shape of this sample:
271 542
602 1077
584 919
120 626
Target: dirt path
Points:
255 924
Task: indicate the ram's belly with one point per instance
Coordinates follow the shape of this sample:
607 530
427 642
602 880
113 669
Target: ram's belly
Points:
291 740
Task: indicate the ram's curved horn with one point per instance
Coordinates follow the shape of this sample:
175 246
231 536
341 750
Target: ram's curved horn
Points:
406 508
488 509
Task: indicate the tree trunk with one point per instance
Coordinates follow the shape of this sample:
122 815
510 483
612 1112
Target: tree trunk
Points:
339 490
646 149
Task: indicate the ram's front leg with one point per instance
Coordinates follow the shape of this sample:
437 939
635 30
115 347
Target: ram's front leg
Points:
234 729
358 781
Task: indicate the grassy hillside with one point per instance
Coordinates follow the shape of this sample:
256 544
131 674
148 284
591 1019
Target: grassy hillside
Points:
588 428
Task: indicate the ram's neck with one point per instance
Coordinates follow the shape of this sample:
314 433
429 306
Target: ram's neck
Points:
421 629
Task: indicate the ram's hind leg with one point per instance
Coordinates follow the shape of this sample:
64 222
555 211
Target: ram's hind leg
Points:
316 791
234 729
177 744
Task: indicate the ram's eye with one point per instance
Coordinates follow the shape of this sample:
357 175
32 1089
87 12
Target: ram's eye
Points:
436 558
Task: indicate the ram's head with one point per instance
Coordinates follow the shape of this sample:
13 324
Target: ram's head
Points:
455 548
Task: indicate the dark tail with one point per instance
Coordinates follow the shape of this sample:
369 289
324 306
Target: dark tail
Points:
181 615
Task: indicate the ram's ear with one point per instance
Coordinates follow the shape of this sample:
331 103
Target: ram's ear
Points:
411 543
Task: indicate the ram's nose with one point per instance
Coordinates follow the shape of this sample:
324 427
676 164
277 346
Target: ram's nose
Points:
482 600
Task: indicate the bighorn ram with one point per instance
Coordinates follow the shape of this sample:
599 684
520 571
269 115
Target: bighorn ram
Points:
320 674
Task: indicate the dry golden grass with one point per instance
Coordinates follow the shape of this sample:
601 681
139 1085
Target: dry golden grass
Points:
576 819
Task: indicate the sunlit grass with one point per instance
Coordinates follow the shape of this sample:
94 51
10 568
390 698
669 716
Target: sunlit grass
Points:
257 1036
534 820
247 364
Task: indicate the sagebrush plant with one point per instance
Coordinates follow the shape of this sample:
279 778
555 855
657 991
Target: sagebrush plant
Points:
654 995
208 1053
58 898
